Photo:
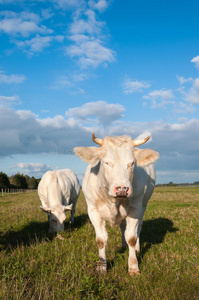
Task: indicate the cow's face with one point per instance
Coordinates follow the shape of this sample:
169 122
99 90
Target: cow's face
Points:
56 217
56 220
117 157
117 164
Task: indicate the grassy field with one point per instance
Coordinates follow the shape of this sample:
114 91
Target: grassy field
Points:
36 265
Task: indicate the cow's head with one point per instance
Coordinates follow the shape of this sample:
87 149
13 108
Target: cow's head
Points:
56 216
117 156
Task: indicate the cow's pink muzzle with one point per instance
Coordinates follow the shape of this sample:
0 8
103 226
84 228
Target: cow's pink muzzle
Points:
121 191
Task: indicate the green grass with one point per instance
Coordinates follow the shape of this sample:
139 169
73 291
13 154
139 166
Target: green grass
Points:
36 265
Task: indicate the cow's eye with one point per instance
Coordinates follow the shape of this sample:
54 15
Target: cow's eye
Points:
54 221
108 163
130 164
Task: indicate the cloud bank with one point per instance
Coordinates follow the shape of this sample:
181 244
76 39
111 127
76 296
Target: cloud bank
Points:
23 132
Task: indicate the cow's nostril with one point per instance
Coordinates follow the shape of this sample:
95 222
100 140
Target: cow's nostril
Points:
121 191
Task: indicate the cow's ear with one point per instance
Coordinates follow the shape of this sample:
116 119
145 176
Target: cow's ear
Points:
145 157
45 209
88 154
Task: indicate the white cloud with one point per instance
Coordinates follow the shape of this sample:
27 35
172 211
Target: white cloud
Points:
27 31
183 108
193 95
196 61
104 113
10 1
100 5
87 34
9 79
77 77
61 82
22 132
183 80
177 176
33 167
91 53
23 24
9 101
68 4
56 122
26 114
160 98
131 86
38 43
89 25
70 81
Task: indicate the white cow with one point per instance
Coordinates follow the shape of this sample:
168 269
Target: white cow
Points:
117 186
58 191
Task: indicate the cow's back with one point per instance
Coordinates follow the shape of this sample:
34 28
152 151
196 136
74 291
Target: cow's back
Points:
57 187
49 190
69 185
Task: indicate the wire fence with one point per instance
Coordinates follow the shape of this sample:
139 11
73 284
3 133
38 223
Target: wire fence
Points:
5 192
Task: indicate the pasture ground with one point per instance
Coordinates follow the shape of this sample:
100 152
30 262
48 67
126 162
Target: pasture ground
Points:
36 265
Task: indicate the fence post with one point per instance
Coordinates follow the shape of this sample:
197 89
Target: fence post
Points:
2 192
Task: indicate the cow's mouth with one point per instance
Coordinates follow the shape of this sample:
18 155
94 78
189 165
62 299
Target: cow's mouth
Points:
121 194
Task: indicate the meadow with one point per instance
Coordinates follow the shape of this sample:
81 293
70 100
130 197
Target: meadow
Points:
37 265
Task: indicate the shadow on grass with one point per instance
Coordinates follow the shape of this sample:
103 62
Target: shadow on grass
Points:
36 232
153 233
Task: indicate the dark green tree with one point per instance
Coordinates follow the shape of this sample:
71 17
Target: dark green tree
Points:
4 181
38 181
32 183
18 181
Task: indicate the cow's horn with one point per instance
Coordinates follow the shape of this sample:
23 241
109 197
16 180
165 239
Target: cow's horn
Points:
97 140
68 207
140 141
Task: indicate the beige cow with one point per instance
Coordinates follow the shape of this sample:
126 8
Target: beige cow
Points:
117 185
58 191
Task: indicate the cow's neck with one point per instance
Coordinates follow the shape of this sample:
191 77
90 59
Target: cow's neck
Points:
112 203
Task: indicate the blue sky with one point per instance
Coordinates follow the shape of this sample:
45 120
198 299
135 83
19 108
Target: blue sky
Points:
71 67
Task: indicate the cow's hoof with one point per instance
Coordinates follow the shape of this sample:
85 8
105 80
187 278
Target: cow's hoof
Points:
60 237
101 268
134 272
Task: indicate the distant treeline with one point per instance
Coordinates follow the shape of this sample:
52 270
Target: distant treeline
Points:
18 181
177 184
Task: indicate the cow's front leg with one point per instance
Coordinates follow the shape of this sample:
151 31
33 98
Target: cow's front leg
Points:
131 235
72 214
123 228
137 246
101 238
